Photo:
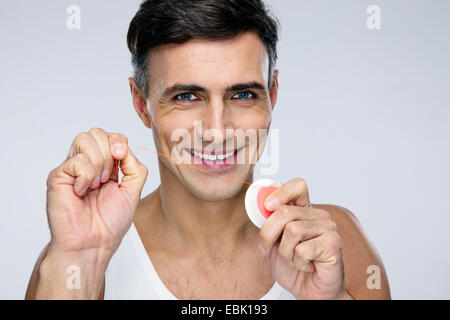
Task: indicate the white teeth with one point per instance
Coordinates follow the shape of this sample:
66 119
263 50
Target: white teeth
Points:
211 157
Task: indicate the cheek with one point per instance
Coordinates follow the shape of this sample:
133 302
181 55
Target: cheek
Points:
256 120
252 119
174 128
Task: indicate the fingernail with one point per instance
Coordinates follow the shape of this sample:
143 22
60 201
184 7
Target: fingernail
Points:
105 176
272 203
95 183
261 249
80 191
119 148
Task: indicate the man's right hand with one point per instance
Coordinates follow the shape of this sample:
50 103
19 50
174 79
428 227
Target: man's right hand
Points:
87 209
88 212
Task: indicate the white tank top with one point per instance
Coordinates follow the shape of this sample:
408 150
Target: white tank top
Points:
131 275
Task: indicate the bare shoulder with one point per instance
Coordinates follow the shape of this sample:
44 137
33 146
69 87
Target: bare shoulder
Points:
365 275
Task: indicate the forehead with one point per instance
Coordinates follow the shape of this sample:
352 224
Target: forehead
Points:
209 63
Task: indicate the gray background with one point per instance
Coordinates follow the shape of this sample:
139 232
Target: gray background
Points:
363 114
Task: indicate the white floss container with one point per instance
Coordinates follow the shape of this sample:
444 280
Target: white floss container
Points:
256 194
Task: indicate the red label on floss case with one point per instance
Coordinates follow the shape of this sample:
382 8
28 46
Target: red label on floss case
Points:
262 196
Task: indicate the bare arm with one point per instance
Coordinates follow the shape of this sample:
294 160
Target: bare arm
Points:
44 276
33 283
358 254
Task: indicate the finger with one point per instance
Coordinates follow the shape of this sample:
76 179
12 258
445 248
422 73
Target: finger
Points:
82 170
295 191
118 144
300 231
86 143
274 225
102 140
115 171
134 175
325 248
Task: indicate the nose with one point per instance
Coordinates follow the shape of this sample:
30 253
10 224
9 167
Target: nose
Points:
216 119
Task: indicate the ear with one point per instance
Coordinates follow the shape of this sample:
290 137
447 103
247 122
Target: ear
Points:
140 103
274 89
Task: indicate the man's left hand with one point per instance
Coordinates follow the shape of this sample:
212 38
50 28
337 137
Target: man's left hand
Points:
303 245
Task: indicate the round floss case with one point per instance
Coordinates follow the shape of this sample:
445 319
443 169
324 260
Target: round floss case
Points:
256 194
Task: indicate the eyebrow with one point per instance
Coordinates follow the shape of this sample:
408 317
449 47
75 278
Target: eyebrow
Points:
192 87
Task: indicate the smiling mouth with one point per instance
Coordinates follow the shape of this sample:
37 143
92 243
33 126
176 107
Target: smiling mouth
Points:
213 156
215 161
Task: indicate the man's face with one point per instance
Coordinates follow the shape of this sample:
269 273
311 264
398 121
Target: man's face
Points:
204 88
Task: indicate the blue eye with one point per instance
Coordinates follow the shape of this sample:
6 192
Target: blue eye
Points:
186 97
244 96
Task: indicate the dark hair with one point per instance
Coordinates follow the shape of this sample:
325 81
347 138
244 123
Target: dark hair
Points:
160 22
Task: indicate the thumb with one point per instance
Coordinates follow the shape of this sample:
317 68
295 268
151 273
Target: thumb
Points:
134 175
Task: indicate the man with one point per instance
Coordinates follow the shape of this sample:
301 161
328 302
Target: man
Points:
207 61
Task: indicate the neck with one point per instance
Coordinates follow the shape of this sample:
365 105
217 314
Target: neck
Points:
196 223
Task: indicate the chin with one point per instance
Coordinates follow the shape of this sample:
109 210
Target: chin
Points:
211 188
217 191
